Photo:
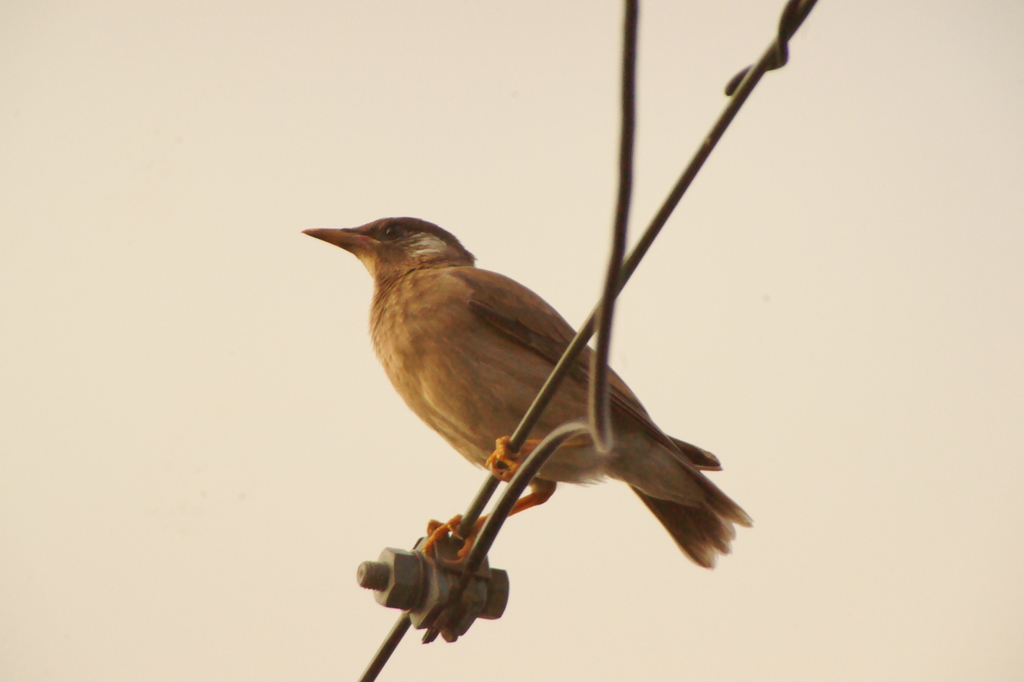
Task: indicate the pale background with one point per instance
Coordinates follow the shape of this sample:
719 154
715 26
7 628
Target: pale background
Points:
197 446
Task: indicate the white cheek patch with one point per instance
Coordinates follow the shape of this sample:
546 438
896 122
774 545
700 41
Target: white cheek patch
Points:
425 244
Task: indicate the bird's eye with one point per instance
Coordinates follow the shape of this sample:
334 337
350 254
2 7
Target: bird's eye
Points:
391 231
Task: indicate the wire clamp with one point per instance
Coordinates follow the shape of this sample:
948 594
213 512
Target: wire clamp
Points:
423 586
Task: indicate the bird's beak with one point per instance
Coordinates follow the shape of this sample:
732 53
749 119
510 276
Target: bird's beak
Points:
348 239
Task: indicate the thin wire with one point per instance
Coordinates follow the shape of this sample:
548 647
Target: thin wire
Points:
599 426
394 638
740 88
599 403
489 533
793 15
476 508
796 11
520 480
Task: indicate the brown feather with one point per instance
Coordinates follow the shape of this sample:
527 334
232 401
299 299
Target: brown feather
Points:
548 336
699 531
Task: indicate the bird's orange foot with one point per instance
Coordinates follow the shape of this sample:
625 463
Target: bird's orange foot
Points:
540 492
467 546
437 530
503 464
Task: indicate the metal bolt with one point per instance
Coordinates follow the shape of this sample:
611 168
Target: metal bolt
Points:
497 595
373 575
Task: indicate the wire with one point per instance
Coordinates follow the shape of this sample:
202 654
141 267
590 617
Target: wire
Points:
394 638
619 272
599 426
600 407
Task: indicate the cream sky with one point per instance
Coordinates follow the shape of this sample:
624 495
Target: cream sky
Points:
197 446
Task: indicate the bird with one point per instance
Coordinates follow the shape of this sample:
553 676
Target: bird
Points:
467 349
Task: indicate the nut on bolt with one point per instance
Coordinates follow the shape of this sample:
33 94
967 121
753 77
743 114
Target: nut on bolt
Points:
423 586
497 595
396 578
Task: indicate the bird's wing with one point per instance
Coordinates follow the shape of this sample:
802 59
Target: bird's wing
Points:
526 318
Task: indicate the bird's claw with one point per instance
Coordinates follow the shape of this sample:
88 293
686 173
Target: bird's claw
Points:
501 464
437 530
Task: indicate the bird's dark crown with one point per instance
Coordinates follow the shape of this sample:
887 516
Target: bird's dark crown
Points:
414 242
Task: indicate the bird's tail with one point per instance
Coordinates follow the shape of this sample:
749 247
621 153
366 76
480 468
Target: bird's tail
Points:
703 530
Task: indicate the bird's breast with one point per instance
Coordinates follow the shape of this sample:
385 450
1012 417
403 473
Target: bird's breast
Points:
419 326
461 376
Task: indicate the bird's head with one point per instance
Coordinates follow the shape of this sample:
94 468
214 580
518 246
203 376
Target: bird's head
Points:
393 245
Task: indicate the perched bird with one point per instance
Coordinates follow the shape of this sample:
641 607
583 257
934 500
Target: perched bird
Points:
468 349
